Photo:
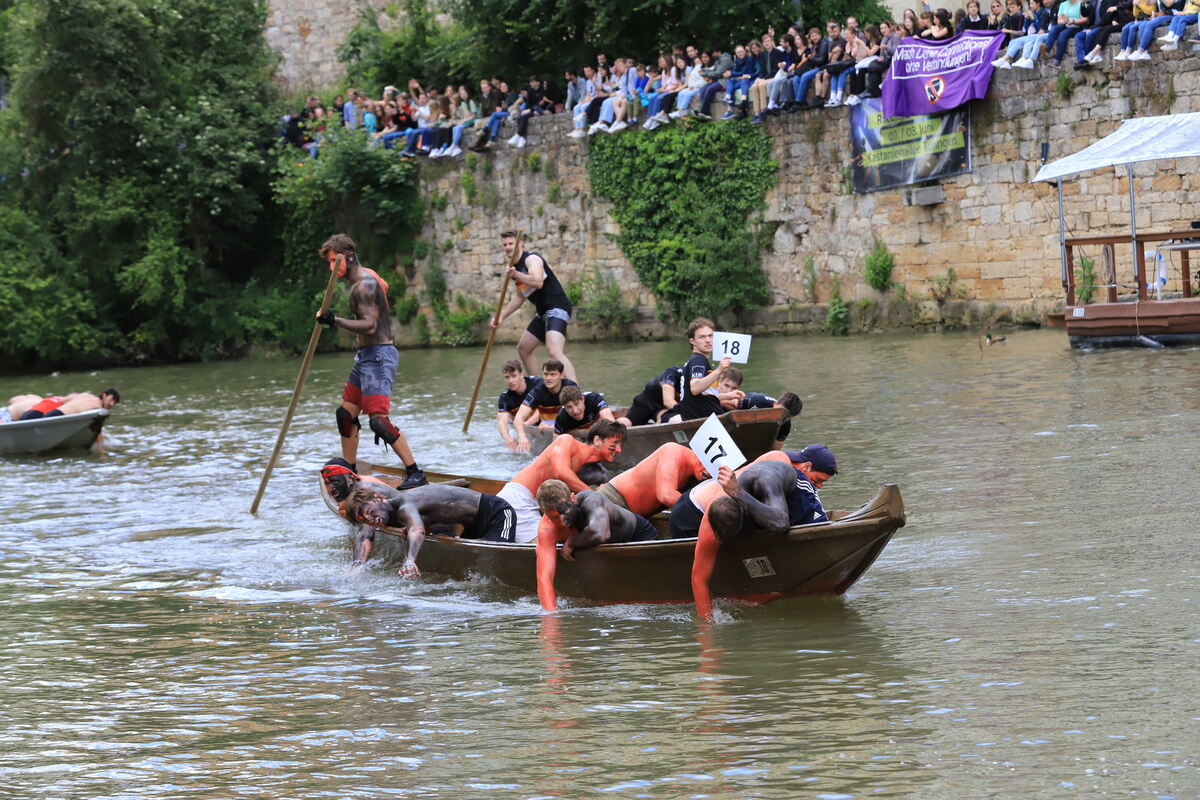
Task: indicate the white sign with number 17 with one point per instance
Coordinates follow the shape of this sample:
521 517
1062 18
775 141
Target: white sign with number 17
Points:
715 447
734 345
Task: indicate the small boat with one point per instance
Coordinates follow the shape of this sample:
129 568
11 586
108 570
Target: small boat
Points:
821 558
52 433
1134 319
753 429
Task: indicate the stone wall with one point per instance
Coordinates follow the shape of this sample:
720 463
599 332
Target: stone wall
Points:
995 229
307 34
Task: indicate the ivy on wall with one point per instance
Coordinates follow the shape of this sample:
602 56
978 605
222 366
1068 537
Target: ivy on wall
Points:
683 197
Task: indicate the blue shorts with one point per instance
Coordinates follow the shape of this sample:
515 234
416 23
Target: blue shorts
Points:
555 319
370 383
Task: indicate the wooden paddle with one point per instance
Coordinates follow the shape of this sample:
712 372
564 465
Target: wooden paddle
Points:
308 357
487 351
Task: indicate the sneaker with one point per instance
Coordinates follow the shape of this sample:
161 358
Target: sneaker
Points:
513 140
617 126
662 117
1024 63
578 133
520 141
703 116
1121 56
1054 62
650 124
1171 45
1168 37
677 114
728 115
759 118
772 106
853 100
833 102
596 128
1140 55
454 150
414 480
1093 58
1082 64
1002 63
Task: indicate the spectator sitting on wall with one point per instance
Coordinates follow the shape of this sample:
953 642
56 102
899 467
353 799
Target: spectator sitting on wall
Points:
1013 23
828 84
1143 33
816 56
864 51
995 18
741 74
508 100
716 75
695 82
671 84
1073 17
780 83
587 94
350 110
873 72
769 57
1036 27
1110 17
1179 22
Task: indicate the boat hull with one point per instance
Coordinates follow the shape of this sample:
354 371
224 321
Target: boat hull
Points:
754 430
823 558
1134 324
52 433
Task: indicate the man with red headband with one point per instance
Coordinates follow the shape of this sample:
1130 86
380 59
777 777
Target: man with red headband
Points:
369 387
341 481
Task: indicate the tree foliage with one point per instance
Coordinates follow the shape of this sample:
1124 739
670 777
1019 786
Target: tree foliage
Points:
683 198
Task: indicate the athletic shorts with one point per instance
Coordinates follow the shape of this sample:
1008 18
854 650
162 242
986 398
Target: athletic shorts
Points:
642 412
528 514
370 383
495 521
555 319
610 493
34 414
5 416
644 532
685 518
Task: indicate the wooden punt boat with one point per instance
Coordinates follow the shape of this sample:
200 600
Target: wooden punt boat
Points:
822 558
753 429
52 433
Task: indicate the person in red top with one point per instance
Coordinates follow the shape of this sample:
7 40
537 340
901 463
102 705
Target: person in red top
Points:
657 481
579 521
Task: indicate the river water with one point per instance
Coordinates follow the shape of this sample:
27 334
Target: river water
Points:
1033 632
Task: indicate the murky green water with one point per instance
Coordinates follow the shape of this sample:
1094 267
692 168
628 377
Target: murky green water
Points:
1033 632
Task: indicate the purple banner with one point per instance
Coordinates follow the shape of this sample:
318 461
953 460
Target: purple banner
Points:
927 77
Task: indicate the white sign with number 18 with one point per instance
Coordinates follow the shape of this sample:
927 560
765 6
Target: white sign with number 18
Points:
714 446
734 345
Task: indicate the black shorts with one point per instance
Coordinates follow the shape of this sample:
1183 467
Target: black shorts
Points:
641 411
555 319
685 518
495 521
644 532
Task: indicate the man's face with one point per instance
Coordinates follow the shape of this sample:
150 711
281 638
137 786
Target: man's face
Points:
575 409
817 477
727 384
375 513
485 86
107 401
851 23
601 59
514 380
691 52
339 486
337 263
702 340
589 73
739 51
552 379
835 31
510 244
608 448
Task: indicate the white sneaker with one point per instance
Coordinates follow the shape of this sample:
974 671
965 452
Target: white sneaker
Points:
1024 63
1168 37
853 100
771 106
578 133
596 128
513 140
454 151
1093 58
833 102
677 114
650 124
520 141
1002 63
617 126
1140 55
1121 56
1171 45
662 117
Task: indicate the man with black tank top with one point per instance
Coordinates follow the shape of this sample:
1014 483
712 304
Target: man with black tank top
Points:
537 283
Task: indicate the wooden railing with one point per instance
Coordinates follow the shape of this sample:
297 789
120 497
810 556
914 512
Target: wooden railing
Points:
1139 267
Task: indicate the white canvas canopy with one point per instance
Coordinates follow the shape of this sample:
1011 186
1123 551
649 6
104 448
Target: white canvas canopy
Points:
1139 139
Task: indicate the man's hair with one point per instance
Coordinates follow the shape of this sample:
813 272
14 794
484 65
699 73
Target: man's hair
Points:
570 394
725 516
512 365
552 495
606 429
736 375
341 244
552 365
509 234
361 496
792 403
116 396
697 324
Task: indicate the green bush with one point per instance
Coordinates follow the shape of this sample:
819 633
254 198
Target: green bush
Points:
690 245
406 308
878 267
1085 280
837 317
599 301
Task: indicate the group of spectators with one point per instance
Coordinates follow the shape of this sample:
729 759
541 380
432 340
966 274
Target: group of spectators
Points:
767 75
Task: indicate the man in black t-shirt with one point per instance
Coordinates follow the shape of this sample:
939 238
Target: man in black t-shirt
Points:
698 393
580 409
788 400
537 282
518 387
657 398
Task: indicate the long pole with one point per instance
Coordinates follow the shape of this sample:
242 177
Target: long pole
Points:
308 357
487 351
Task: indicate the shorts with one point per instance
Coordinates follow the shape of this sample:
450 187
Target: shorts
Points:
642 412
526 508
610 493
644 532
685 518
370 383
494 522
555 319
5 416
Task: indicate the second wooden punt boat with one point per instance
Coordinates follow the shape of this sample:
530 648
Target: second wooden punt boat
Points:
52 433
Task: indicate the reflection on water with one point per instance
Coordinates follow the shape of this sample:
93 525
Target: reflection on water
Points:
1031 632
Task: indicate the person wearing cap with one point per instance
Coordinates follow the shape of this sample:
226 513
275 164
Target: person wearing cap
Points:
771 494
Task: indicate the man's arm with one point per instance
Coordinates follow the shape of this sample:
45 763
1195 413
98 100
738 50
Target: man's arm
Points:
365 308
561 466
772 515
597 531
703 560
668 395
698 385
416 537
606 413
536 275
364 541
512 306
523 415
503 419
547 564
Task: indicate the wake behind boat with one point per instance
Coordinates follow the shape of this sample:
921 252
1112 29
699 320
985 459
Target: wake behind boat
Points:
78 430
821 558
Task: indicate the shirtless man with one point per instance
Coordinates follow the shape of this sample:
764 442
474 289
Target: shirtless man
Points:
578 521
561 460
580 409
369 387
768 495
482 516
518 386
656 482
537 282
542 404
32 406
